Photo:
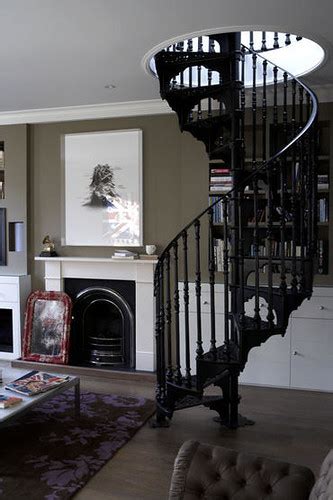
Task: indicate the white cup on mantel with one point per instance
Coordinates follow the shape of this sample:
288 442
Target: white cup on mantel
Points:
150 249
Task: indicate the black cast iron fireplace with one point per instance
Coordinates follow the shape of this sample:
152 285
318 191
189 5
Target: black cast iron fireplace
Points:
103 327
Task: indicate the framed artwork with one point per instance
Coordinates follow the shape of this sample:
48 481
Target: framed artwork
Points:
47 327
102 188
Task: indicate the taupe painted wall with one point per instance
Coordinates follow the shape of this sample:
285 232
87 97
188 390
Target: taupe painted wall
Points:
15 202
175 182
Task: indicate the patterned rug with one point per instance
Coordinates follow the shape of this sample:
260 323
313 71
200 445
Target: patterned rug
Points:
49 454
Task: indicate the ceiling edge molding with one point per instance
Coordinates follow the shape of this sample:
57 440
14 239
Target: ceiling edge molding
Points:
85 112
113 110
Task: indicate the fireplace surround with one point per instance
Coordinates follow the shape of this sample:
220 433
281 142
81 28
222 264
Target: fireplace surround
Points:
118 271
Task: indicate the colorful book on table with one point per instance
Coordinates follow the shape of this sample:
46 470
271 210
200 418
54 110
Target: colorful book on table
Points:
36 382
8 401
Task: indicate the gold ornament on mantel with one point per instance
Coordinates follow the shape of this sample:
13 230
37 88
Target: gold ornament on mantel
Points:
48 248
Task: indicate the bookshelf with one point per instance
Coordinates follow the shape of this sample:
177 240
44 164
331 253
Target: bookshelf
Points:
220 182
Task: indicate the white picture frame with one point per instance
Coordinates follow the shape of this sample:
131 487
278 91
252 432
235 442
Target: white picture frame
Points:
102 188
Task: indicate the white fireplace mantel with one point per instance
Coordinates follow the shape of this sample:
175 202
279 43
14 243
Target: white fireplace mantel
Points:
140 271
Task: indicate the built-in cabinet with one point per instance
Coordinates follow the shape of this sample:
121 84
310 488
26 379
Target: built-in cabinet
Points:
14 291
302 359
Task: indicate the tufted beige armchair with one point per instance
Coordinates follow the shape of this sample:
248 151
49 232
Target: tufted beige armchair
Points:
214 472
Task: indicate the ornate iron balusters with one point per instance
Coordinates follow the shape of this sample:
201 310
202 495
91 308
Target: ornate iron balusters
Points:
251 41
190 75
283 180
263 41
199 349
226 269
169 372
186 313
178 374
209 77
160 339
294 180
211 269
199 69
255 191
276 40
302 192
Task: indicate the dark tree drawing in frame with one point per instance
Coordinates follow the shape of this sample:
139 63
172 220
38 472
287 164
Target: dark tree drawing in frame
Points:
102 187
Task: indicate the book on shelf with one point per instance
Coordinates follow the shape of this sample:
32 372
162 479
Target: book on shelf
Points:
322 181
221 179
218 187
218 216
218 247
8 401
148 257
126 257
322 210
35 382
124 254
220 170
218 254
322 251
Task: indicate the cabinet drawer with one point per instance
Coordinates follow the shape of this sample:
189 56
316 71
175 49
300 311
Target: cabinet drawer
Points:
8 293
316 307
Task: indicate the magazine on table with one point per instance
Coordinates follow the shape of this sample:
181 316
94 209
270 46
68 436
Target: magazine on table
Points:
8 401
36 382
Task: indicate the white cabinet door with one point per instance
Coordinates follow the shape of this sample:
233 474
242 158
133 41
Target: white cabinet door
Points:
312 354
269 364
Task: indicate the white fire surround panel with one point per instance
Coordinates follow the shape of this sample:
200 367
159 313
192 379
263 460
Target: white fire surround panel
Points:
140 271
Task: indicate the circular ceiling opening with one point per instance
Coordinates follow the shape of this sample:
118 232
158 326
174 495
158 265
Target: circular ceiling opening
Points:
296 55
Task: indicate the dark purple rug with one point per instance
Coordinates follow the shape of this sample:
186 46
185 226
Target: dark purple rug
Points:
49 454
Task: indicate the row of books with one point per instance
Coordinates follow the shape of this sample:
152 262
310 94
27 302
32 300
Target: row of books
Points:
220 178
128 254
276 249
217 210
323 181
323 210
30 384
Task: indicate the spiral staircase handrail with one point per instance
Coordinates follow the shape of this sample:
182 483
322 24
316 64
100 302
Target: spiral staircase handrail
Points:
245 181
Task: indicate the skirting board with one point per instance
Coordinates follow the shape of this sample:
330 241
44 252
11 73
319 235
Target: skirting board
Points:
139 376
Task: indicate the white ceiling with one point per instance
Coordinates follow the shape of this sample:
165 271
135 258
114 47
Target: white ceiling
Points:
56 53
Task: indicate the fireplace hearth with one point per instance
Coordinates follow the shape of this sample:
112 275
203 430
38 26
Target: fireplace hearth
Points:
103 328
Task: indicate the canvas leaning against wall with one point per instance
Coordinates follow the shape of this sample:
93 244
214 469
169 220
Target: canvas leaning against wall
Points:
103 188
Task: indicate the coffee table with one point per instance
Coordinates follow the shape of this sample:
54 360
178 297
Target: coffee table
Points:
7 415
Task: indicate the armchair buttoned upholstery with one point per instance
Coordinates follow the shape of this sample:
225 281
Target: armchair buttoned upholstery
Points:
203 471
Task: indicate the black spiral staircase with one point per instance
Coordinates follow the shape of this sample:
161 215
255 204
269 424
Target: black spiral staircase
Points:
265 132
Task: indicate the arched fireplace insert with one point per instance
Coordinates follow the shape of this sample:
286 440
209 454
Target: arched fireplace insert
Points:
103 332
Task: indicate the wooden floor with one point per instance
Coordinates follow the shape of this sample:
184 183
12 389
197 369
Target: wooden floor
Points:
290 425
296 426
